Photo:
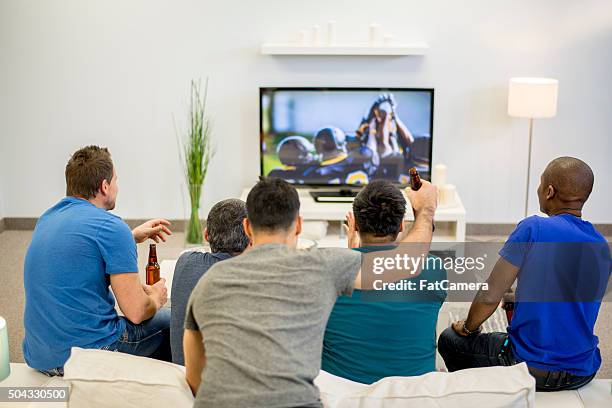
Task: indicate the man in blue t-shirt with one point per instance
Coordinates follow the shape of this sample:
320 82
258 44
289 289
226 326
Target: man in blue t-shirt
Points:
227 239
372 334
78 249
562 267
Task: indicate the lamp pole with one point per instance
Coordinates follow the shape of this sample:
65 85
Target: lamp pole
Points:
532 98
528 167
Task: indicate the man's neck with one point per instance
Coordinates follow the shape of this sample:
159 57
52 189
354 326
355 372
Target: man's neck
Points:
572 211
569 208
232 254
374 241
264 239
94 201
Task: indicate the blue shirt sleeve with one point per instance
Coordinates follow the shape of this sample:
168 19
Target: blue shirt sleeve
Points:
117 247
518 243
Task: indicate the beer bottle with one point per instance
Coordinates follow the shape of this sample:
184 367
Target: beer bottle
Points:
152 266
415 179
415 184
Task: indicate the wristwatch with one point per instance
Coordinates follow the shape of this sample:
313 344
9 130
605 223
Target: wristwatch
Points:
469 332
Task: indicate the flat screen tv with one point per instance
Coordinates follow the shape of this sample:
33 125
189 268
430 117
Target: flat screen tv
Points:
345 136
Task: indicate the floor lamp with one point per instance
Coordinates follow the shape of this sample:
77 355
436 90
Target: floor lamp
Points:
532 98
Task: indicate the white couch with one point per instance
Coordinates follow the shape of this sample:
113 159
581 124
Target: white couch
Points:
334 390
438 388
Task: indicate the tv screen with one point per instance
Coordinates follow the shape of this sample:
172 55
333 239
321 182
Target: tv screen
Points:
342 136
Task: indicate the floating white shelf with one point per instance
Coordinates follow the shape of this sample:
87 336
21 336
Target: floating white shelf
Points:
385 50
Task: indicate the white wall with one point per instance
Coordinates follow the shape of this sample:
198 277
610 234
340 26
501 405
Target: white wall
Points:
114 73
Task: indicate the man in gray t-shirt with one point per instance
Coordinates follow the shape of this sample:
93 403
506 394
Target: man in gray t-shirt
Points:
263 315
254 324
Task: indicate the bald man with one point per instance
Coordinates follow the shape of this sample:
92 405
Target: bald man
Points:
562 266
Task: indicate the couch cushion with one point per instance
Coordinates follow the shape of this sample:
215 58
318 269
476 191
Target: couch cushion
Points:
54 382
490 387
597 394
109 379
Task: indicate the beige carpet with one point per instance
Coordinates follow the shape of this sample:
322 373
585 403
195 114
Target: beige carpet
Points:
13 245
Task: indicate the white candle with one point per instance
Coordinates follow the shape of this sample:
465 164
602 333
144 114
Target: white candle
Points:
438 177
316 35
388 40
331 32
447 195
5 368
374 34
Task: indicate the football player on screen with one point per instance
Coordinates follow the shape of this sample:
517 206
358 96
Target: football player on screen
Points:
341 163
383 131
298 158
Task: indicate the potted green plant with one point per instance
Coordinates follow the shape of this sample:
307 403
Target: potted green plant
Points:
197 151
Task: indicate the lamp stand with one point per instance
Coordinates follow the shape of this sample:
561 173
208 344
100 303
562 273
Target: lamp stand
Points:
528 167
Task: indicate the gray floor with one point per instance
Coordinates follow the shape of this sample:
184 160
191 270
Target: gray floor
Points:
13 245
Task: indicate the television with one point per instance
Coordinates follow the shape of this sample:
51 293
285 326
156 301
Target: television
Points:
345 136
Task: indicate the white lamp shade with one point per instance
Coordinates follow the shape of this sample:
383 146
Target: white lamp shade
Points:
532 97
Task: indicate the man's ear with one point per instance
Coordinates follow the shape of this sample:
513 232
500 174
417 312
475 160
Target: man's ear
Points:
401 228
298 225
206 234
247 229
104 187
550 192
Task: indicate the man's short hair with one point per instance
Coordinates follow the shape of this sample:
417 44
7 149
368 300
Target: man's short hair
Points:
379 209
572 178
272 205
224 224
86 170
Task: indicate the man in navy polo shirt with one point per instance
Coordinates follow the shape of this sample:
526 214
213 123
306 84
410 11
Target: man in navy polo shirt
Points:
78 250
562 267
227 239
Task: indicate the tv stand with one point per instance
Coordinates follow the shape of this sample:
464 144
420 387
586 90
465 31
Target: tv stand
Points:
344 195
450 220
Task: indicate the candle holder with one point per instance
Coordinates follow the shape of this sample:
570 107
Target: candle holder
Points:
5 367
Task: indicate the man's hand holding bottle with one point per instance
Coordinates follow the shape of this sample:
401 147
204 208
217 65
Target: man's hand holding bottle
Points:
158 292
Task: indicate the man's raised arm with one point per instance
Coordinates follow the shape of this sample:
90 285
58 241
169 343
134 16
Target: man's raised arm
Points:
414 243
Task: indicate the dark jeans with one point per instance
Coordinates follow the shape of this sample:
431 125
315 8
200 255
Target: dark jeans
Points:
150 338
494 349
